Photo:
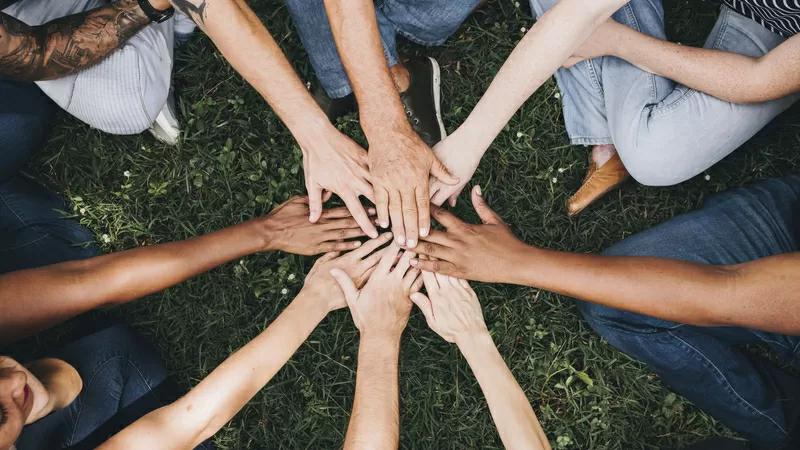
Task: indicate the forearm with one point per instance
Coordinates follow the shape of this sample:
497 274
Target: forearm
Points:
215 400
759 294
355 29
66 45
512 413
36 299
375 422
250 49
728 76
548 44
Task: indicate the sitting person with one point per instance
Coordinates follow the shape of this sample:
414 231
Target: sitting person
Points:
681 296
660 132
381 309
110 390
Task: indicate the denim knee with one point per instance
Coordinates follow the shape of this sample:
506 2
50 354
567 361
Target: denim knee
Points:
428 23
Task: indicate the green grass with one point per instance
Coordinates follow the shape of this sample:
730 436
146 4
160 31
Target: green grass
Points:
211 185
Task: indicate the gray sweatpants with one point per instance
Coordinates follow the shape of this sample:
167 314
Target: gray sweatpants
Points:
126 91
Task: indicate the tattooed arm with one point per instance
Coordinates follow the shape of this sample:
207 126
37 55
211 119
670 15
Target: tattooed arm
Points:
66 45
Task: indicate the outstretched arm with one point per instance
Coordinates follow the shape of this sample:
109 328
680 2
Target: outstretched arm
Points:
728 76
36 299
380 311
760 294
453 312
66 45
213 403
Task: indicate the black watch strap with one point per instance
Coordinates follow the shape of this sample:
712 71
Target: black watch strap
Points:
153 14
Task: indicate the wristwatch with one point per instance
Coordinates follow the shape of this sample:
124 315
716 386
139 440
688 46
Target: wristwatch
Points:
155 15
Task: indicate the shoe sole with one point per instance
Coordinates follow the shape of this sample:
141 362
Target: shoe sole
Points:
165 132
437 95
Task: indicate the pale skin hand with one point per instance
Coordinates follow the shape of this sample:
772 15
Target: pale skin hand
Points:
728 76
399 162
214 401
454 313
454 152
474 252
380 310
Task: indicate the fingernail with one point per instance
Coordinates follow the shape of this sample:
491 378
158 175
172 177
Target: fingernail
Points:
423 232
412 243
387 236
414 262
373 234
371 211
478 191
384 224
401 240
357 244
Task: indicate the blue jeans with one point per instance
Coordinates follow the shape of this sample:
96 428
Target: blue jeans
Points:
123 379
706 365
664 132
426 22
26 116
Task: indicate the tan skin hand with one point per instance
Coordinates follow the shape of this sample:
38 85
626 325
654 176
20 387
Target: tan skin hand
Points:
291 231
473 252
400 165
382 306
451 308
340 166
358 265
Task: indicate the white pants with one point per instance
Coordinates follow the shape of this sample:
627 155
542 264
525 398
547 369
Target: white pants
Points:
124 93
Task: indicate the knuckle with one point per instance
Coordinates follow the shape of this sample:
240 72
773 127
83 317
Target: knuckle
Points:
429 247
423 203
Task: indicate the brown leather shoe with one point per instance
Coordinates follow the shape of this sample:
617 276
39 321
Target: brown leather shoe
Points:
597 183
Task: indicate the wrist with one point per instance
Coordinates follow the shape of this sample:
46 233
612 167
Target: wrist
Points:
377 122
521 269
383 338
312 303
260 234
474 343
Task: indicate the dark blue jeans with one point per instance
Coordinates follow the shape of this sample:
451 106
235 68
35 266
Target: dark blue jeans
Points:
750 394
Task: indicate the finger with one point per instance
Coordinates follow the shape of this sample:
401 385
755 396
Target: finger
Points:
434 250
439 197
441 277
418 283
371 245
326 195
336 213
361 217
314 203
452 201
409 279
423 211
487 215
342 234
327 257
446 218
396 214
382 205
326 247
388 258
465 284
375 258
347 285
410 218
442 238
403 265
437 267
365 189
441 173
424 305
431 283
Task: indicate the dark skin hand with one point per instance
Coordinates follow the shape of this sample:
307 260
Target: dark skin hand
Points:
66 45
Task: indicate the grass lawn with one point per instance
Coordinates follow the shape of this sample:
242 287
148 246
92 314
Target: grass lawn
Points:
238 161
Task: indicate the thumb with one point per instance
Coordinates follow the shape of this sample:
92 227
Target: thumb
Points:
424 304
440 172
314 203
487 215
347 285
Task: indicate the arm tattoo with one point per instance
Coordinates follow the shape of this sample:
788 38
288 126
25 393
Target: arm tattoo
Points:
195 9
66 45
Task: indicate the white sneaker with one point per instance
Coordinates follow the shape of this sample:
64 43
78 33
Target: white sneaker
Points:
166 128
184 27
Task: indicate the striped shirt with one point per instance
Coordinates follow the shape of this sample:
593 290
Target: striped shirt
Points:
779 16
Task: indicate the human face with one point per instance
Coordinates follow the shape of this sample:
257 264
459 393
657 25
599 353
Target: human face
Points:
22 397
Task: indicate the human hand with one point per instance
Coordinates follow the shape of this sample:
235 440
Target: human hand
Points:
339 165
451 308
381 308
400 164
358 265
287 228
600 43
454 152
487 252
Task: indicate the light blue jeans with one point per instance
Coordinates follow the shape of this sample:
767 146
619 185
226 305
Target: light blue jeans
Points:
426 22
664 132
